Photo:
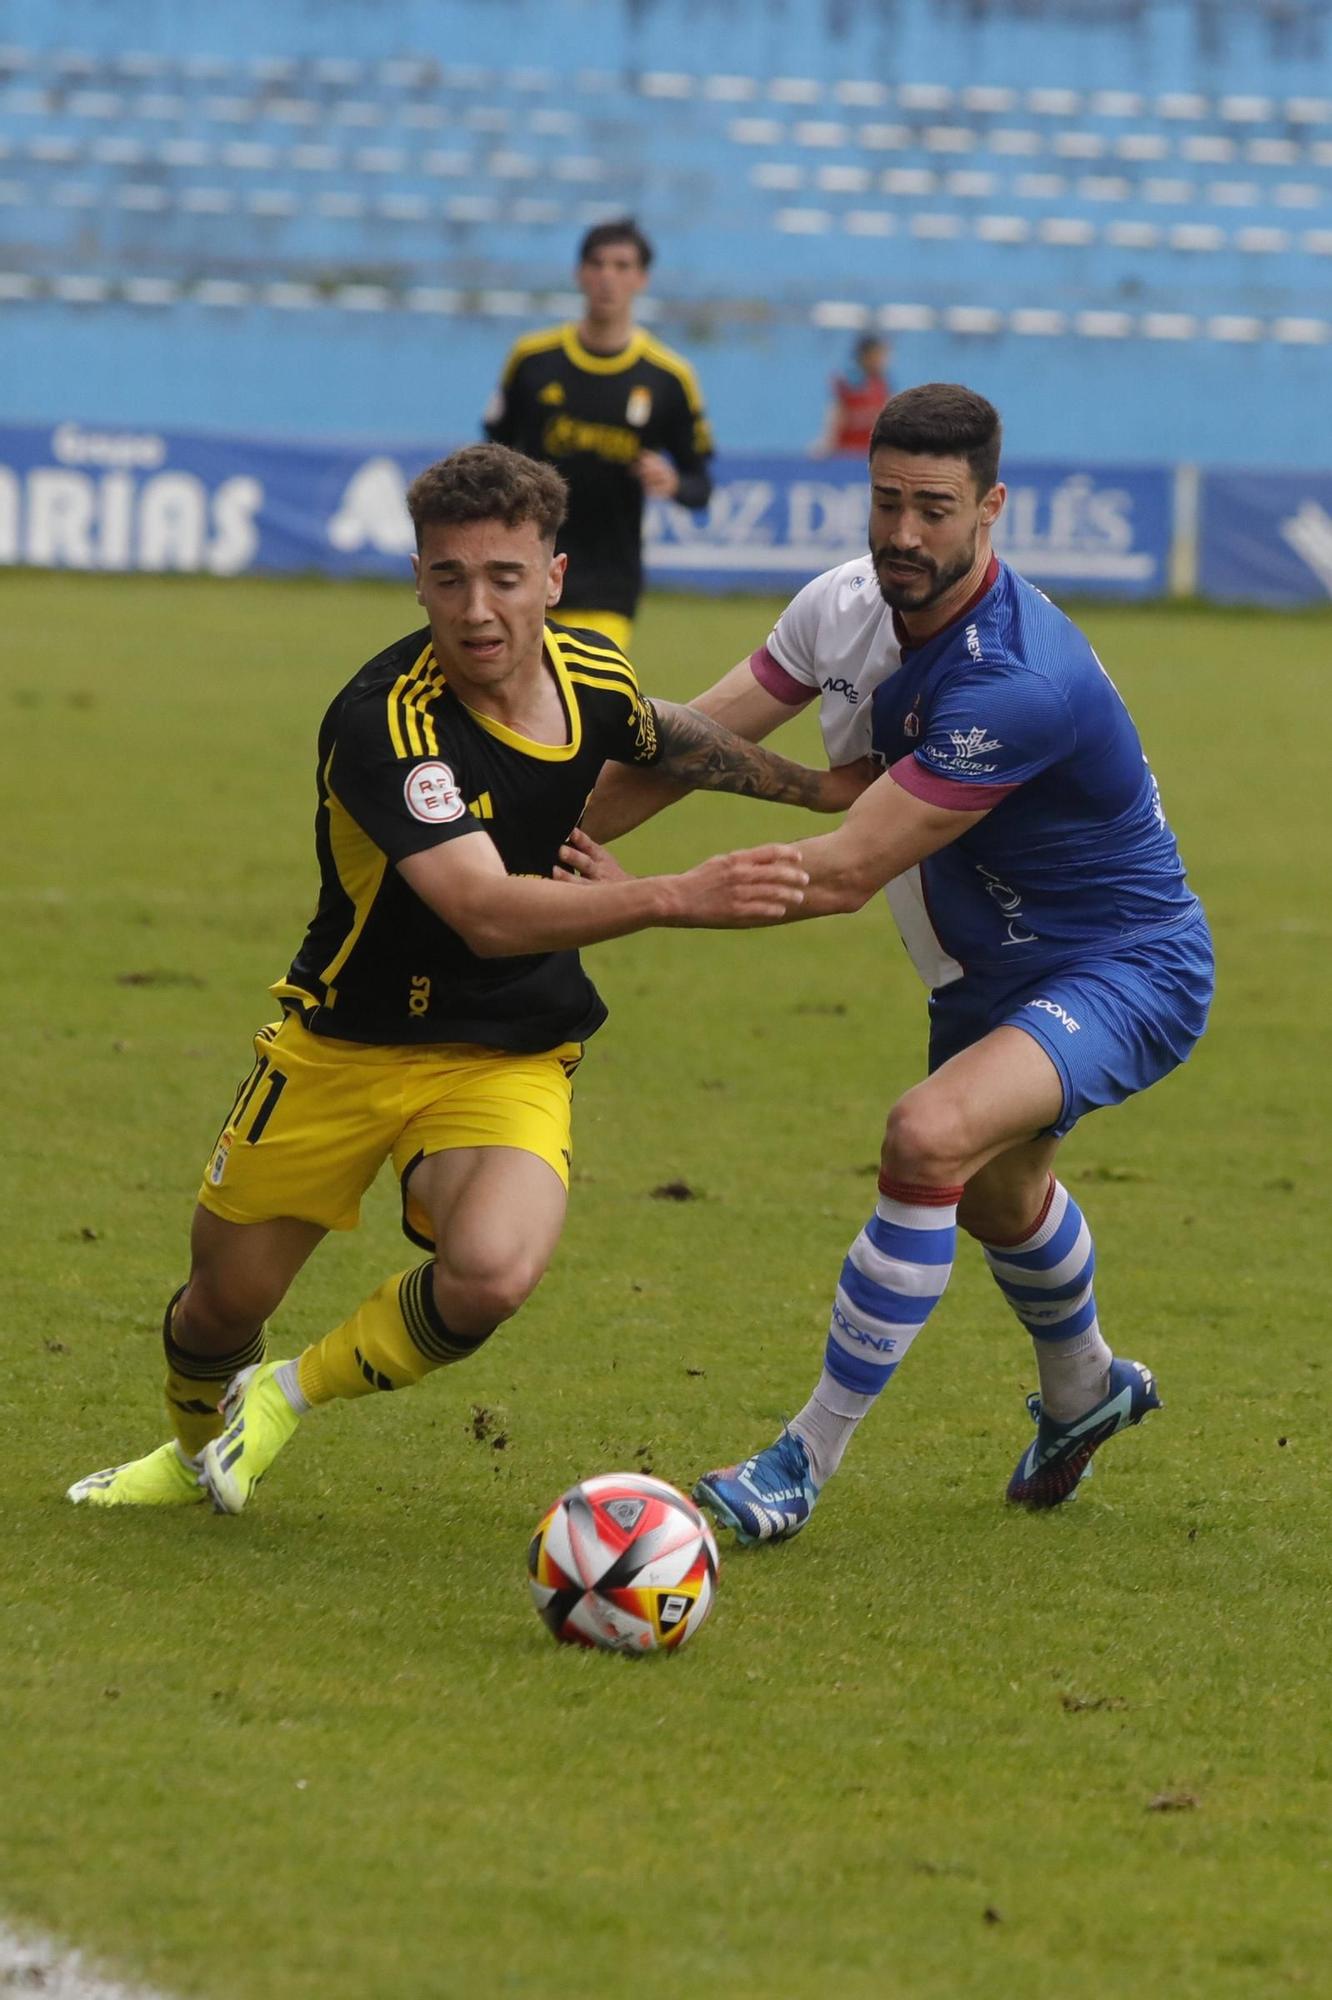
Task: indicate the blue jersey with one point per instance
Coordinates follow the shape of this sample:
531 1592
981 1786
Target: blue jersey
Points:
1008 711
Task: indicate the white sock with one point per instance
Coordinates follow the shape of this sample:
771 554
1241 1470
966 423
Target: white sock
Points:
1074 1373
285 1376
893 1276
1047 1278
827 1423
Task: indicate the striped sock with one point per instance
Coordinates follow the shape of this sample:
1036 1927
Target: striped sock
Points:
894 1275
195 1383
1046 1276
394 1338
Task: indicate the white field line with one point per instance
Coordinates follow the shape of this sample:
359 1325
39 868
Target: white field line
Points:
37 1965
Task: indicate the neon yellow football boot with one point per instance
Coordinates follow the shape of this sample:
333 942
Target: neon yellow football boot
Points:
162 1479
259 1421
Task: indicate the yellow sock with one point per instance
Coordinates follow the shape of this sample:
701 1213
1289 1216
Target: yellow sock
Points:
195 1384
393 1339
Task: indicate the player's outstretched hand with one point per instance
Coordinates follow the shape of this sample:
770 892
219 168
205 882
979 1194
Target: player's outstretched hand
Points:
582 860
757 885
842 786
656 475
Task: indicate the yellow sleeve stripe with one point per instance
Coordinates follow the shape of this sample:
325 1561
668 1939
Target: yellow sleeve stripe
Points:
606 672
361 867
627 688
395 727
418 713
604 658
412 723
411 727
531 343
399 730
675 364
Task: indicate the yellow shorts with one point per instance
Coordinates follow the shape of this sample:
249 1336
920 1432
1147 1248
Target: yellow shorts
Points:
315 1120
612 624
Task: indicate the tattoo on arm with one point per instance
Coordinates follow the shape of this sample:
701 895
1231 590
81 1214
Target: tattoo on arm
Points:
699 752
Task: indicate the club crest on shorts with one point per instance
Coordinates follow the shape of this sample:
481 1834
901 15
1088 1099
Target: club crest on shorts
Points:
217 1166
432 794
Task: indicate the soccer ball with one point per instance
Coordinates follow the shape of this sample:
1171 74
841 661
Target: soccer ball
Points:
623 1562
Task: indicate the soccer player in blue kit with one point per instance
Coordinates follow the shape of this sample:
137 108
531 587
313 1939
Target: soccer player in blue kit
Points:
1018 832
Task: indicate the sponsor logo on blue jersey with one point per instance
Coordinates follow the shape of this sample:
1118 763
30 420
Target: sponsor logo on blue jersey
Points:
1061 1014
1074 852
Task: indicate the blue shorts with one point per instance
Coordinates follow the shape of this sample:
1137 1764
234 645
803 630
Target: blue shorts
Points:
1111 1025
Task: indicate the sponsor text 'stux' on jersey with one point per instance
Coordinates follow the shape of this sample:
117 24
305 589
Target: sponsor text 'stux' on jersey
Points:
590 415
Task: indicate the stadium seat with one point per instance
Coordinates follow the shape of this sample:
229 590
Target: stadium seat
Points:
795 90
1021 142
985 98
185 153
399 181
207 200
53 149
1244 110
924 96
315 158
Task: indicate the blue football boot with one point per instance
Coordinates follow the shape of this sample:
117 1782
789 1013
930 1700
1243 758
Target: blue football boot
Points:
1049 1469
767 1499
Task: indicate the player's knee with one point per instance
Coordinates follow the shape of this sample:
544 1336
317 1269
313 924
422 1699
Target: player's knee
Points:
999 1215
479 1294
219 1312
924 1143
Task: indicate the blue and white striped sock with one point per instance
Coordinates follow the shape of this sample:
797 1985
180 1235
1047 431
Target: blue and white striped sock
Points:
1046 1276
895 1274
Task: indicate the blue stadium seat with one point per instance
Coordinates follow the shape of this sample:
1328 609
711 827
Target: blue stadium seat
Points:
371 181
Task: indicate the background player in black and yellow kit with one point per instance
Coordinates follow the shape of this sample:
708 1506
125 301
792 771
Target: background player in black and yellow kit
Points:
619 415
436 1009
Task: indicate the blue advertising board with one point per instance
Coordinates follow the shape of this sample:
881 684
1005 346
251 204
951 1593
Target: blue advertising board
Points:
1265 537
82 497
78 497
775 522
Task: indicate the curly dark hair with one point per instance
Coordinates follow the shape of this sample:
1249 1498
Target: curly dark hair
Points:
943 420
488 482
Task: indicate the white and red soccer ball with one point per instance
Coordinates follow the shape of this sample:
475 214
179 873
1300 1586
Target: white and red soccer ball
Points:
623 1562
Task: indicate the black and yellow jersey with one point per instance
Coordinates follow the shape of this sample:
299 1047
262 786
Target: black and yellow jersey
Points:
403 765
590 415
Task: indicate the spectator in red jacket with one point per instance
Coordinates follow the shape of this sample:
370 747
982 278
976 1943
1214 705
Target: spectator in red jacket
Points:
857 398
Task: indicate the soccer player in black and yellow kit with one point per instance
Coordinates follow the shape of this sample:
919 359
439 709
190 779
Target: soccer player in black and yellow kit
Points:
619 415
436 1009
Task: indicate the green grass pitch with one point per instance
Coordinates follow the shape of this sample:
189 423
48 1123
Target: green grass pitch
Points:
934 1749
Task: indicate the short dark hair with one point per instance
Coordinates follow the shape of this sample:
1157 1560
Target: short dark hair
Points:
488 482
622 229
943 420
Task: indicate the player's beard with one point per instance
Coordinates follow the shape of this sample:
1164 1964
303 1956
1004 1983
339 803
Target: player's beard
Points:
928 584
